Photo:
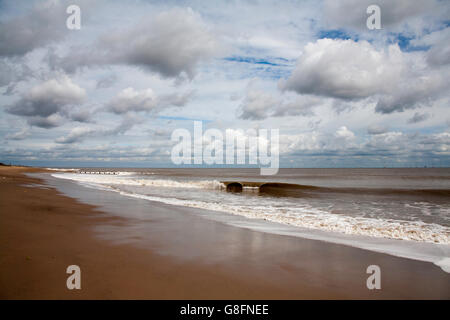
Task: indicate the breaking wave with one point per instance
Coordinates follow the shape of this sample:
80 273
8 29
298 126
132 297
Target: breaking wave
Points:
267 208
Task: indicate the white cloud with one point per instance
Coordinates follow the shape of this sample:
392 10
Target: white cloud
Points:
412 92
325 68
257 104
130 99
146 100
344 133
397 80
46 100
342 98
171 44
75 135
20 135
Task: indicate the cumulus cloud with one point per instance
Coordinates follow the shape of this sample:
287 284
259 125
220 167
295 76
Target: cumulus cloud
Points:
47 99
349 90
344 133
130 99
172 44
42 25
396 80
146 100
325 69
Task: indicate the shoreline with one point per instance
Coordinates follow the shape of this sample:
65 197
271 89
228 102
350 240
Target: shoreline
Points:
383 243
43 231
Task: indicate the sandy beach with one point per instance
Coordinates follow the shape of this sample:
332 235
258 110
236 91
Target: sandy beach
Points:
43 231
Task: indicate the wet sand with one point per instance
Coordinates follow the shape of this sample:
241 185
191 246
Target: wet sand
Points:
43 231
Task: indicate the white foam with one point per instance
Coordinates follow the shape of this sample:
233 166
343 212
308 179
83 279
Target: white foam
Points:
126 180
444 264
300 216
201 184
431 241
422 251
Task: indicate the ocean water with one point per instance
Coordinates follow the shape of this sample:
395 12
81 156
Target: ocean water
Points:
411 205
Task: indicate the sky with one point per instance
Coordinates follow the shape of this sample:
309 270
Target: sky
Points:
113 92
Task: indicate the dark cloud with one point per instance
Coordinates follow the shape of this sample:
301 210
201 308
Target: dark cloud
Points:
419 117
28 107
377 129
416 93
47 99
45 23
45 122
172 44
81 116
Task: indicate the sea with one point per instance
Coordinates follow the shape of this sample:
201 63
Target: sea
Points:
399 211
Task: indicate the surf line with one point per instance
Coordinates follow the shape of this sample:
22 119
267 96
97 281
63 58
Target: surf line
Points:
208 147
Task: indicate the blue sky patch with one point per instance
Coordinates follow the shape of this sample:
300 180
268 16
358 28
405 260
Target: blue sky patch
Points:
253 60
404 42
334 34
